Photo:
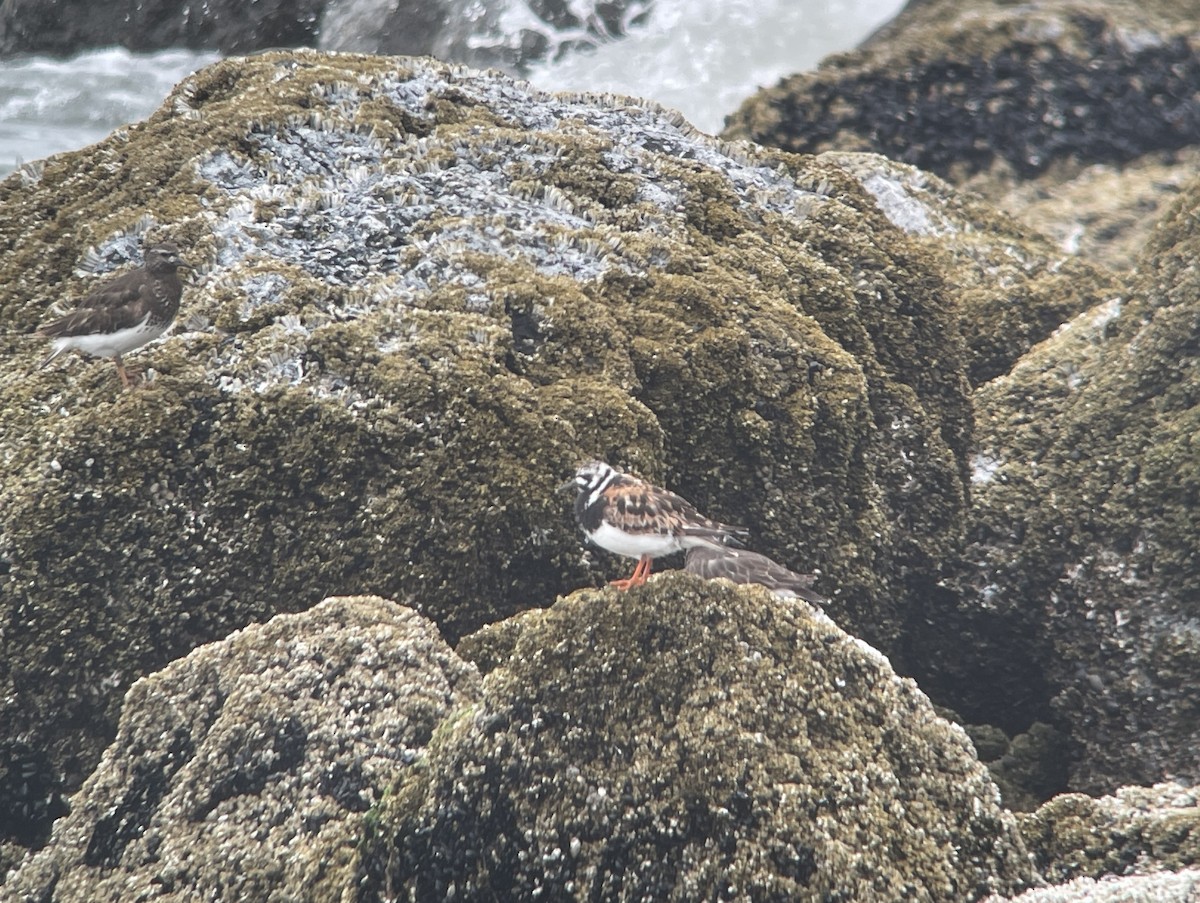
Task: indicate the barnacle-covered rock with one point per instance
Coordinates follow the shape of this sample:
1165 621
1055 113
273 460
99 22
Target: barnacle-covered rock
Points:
244 770
694 741
423 295
1136 829
1080 118
1083 551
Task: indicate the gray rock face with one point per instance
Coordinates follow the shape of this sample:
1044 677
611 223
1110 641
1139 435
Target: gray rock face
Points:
693 740
243 770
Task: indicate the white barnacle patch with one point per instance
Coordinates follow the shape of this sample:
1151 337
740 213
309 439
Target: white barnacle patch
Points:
280 367
984 468
31 173
896 194
260 289
379 218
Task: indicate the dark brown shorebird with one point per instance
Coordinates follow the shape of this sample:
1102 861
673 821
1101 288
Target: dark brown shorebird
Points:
631 517
124 312
742 566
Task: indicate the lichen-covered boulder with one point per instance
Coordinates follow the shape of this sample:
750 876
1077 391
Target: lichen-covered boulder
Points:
1084 552
244 770
1070 111
1137 829
694 741
1011 287
424 294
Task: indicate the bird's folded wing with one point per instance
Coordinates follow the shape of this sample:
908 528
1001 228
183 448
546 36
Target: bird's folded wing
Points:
96 321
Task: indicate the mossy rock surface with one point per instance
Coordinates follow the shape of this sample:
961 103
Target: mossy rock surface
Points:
1085 523
694 741
1010 286
423 296
245 769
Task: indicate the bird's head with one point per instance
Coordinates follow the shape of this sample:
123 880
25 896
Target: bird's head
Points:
164 258
588 477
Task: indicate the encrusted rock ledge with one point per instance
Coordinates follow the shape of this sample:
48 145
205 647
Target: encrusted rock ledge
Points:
687 740
243 770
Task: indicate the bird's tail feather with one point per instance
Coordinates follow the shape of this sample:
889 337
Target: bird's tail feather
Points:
718 537
58 349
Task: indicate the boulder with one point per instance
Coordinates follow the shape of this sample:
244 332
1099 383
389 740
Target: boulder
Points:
244 770
694 741
1079 118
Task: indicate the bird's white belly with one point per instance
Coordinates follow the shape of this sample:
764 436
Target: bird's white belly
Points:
113 343
635 546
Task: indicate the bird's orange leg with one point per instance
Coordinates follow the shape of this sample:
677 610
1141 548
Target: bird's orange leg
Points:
638 577
121 371
641 576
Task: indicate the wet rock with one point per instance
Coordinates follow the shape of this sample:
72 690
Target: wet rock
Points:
70 26
244 769
510 36
1083 550
1066 106
693 740
423 295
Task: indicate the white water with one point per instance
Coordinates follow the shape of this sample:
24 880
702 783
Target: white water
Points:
702 57
49 105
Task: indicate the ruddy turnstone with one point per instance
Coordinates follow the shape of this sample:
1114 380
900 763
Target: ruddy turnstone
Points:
630 517
742 566
123 312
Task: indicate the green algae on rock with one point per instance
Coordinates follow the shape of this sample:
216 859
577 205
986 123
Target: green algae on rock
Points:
693 740
1010 286
425 294
1135 830
243 770
1086 519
